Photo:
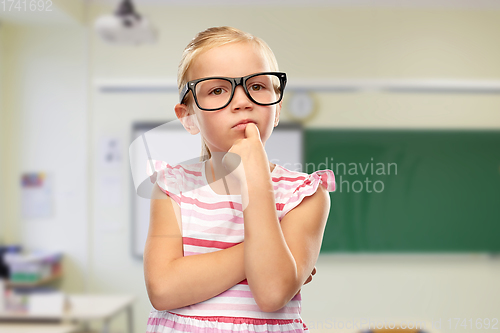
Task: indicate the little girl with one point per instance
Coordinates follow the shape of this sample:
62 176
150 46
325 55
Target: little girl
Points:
231 253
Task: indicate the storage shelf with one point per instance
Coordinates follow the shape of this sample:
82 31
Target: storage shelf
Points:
10 284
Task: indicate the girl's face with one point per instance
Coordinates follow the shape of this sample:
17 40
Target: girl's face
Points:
217 127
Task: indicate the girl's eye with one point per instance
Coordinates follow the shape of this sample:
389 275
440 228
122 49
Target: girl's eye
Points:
256 87
217 91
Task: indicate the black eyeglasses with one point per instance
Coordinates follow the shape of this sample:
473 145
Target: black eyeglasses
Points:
215 93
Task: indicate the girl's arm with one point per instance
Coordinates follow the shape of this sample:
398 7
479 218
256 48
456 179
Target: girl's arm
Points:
174 281
278 258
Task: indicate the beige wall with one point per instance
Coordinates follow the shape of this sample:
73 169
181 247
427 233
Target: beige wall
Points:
323 43
45 131
9 153
3 138
328 43
343 43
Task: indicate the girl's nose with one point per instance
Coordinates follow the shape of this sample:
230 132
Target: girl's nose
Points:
241 100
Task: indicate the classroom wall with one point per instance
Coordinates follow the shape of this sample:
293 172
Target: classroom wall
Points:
344 42
3 138
62 132
8 153
46 131
312 43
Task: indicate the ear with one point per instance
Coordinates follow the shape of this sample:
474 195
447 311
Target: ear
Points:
277 115
187 120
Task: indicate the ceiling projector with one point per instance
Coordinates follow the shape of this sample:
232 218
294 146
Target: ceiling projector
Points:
125 26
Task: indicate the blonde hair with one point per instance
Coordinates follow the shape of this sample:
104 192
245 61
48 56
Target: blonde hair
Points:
209 39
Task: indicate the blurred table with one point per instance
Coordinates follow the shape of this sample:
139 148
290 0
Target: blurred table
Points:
36 327
96 307
81 310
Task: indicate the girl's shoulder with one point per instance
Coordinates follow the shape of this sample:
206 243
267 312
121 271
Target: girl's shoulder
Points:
291 186
173 179
178 171
287 179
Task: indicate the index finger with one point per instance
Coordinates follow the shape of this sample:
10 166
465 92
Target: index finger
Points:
251 130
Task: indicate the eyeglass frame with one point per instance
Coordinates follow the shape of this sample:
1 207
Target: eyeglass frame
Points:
235 81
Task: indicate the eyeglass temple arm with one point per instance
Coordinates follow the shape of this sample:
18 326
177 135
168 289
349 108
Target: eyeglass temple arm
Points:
183 93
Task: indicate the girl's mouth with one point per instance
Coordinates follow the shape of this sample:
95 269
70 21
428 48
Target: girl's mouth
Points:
242 126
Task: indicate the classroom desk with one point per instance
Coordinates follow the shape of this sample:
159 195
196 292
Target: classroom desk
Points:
38 328
105 307
82 309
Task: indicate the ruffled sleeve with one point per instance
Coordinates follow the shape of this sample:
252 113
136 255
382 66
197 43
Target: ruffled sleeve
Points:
168 178
305 186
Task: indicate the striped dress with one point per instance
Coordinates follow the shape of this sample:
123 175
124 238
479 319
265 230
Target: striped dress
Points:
212 222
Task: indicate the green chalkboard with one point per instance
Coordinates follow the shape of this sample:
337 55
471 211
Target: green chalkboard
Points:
409 190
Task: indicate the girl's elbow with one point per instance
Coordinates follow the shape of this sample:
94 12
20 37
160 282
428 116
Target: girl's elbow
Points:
160 299
276 297
271 302
267 306
279 301
272 306
161 304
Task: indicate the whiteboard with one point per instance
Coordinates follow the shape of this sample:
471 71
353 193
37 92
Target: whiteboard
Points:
171 143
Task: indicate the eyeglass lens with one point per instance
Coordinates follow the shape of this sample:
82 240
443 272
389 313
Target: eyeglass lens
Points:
216 93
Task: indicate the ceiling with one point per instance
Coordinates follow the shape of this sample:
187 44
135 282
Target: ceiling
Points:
59 14
479 4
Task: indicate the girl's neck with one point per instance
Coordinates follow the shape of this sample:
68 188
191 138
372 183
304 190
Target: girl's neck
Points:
217 179
216 169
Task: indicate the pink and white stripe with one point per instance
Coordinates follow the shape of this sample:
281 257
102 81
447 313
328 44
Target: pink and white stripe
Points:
213 222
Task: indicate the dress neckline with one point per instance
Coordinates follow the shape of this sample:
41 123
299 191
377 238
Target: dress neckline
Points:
204 176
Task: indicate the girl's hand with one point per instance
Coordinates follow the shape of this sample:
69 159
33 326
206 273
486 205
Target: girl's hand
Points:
309 279
247 156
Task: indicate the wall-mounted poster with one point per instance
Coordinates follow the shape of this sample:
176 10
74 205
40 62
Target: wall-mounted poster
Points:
36 195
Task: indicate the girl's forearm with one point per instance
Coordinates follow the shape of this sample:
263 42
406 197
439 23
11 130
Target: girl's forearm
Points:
269 265
193 279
